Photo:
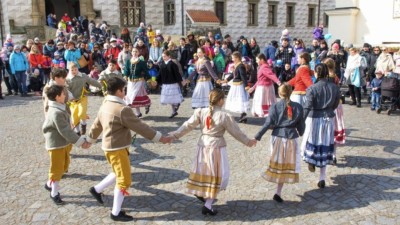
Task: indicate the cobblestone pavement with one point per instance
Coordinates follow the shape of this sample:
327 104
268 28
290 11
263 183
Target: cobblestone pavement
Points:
364 188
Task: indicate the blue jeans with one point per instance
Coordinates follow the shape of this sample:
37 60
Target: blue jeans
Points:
21 81
375 100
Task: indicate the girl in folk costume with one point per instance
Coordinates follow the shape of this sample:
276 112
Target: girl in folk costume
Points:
210 171
302 80
203 87
340 134
319 110
286 120
136 72
238 99
170 79
264 95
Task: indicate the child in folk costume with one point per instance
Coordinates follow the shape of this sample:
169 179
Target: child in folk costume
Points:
57 77
110 71
340 134
286 120
115 121
170 80
210 171
302 80
238 99
76 82
322 99
59 136
264 95
136 72
203 87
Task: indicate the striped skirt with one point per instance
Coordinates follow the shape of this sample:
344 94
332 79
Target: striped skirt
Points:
210 172
237 100
200 94
318 141
340 135
284 165
136 95
264 97
171 94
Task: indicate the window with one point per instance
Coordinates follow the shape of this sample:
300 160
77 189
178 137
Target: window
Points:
290 14
252 13
272 13
169 13
132 12
311 16
220 11
326 20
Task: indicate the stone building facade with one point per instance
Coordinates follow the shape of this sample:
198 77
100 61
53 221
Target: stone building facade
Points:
262 19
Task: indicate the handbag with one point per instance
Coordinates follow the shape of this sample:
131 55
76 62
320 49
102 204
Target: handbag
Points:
356 78
82 62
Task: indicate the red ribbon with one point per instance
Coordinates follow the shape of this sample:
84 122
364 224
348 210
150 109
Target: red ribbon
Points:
290 112
124 192
208 122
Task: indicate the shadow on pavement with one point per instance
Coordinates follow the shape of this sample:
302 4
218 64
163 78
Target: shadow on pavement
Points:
350 192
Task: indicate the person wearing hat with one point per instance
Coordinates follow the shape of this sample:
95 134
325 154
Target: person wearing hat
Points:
19 65
38 44
112 52
239 44
58 61
61 37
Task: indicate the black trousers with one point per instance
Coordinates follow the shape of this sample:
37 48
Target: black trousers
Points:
355 93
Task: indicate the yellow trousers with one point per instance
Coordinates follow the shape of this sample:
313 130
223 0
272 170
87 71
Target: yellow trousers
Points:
59 162
78 110
121 166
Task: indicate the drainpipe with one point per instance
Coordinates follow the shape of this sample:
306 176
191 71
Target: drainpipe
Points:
183 19
1 25
319 10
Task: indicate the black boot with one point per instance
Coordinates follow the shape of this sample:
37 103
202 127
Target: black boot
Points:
243 118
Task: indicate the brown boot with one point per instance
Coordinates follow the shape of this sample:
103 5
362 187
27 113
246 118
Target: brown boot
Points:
83 129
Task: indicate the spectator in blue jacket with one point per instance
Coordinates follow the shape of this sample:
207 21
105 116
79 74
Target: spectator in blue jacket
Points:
270 50
49 48
19 65
72 54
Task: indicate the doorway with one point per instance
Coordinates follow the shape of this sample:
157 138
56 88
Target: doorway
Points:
60 7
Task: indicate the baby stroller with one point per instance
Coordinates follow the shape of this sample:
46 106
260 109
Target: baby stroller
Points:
390 98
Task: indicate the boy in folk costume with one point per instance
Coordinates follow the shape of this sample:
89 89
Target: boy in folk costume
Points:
59 136
78 104
210 171
286 119
116 120
57 77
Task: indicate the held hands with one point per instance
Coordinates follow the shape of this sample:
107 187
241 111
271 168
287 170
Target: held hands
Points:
86 145
167 139
252 143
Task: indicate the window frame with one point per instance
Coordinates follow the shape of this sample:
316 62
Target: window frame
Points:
290 22
275 14
167 11
255 13
141 12
312 23
223 21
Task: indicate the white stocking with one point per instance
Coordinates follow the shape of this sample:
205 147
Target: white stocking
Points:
279 189
54 188
107 181
118 199
322 173
209 202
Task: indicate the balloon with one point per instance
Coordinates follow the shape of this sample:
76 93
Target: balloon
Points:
278 62
327 36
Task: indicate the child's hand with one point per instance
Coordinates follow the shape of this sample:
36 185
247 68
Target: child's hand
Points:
167 139
252 143
86 145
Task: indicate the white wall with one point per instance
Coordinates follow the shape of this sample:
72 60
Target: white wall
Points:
376 24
